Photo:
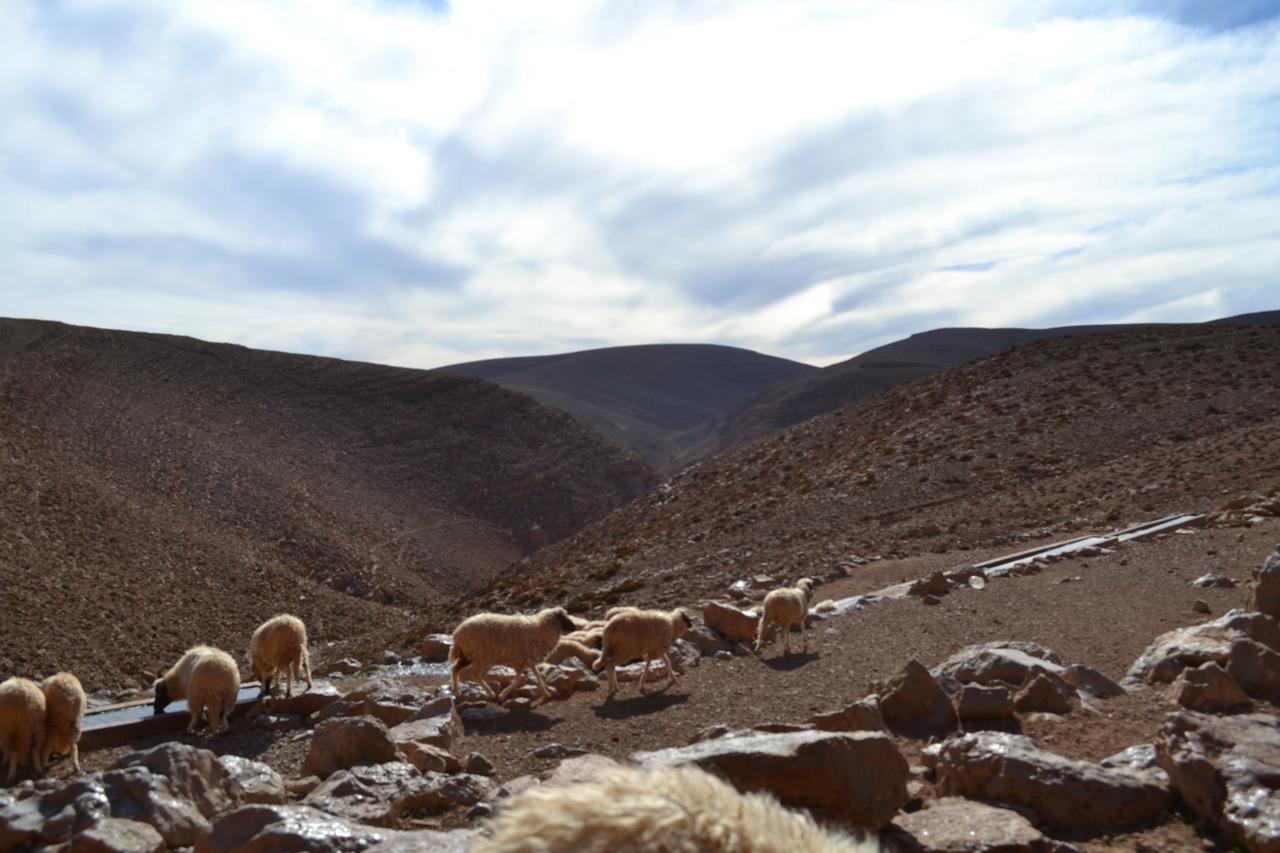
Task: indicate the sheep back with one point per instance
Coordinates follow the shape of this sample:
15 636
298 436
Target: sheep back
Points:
490 639
64 712
641 633
22 723
277 644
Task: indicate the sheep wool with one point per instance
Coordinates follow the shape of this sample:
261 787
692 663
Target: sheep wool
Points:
784 608
669 809
634 633
209 680
280 645
494 639
568 648
22 726
64 717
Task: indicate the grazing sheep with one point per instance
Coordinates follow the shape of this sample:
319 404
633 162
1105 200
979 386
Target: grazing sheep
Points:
22 726
568 648
64 717
590 637
634 633
784 608
280 645
209 680
521 642
672 809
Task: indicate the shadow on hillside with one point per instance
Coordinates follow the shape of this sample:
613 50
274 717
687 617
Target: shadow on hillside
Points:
635 706
788 662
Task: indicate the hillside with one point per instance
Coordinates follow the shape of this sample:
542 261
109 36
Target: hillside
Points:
1077 432
646 398
157 491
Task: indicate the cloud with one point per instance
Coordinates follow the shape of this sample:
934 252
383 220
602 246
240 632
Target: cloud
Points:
420 183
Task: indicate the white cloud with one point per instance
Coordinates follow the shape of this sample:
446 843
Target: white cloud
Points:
380 180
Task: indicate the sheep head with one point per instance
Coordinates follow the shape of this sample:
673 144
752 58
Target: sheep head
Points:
561 618
162 696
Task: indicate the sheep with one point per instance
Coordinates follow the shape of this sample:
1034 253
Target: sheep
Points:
280 645
521 642
784 608
634 633
209 680
674 809
568 648
64 716
22 724
590 637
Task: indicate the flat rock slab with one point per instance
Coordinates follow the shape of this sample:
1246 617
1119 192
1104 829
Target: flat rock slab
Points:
1009 662
859 778
957 825
1176 650
731 621
442 731
268 829
1227 769
1012 769
385 794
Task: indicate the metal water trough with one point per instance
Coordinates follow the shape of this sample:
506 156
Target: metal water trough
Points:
113 725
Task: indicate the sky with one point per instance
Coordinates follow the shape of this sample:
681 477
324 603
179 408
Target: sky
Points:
425 183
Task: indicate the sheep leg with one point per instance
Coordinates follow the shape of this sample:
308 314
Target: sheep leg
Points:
760 634
672 675
306 666
195 718
515 682
613 677
14 751
804 634
786 638
75 750
644 672
546 694
215 718
288 682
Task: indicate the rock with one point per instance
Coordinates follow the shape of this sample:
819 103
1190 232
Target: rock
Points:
1226 769
1140 758
1212 581
302 786
429 758
115 835
1011 769
1200 606
1256 669
711 733
320 696
930 600
976 702
1011 662
442 730
859 778
1266 592
861 716
387 657
213 784
776 727
453 841
277 722
578 768
913 699
935 584
348 742
736 624
435 647
385 794
478 764
1209 688
1176 650
346 666
386 699
957 825
1088 680
1042 693
268 829
558 750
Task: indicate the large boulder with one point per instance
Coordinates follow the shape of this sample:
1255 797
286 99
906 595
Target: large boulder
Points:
347 742
436 647
913 699
213 784
1007 661
1059 791
320 695
1180 648
974 702
442 730
1256 669
1086 679
858 778
386 794
1266 591
731 621
116 835
1209 688
1227 769
957 825
1044 693
268 829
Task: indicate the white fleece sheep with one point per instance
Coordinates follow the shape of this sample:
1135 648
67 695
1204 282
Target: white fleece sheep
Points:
634 633
590 637
568 648
280 645
209 680
64 717
671 809
784 608
521 642
22 726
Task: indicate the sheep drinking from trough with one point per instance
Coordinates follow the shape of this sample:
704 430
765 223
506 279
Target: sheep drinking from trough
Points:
784 608
633 633
521 642
672 809
208 679
64 717
22 724
280 645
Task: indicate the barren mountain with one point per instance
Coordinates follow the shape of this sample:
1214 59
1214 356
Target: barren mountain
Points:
1056 435
159 491
646 398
